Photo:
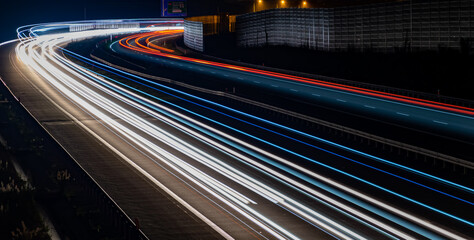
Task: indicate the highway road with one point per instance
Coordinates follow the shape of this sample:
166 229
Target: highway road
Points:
218 172
430 116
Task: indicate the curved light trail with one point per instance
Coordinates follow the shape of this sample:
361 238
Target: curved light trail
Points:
425 115
255 196
126 42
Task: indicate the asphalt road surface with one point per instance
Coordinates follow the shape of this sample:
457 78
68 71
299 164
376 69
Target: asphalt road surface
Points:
190 168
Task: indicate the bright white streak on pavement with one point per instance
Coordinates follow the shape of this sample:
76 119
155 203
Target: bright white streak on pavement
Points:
252 162
40 64
232 197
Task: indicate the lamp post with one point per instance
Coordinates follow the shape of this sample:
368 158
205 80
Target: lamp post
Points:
282 4
257 4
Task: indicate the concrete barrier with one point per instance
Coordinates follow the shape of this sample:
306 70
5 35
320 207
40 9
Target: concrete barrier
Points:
194 35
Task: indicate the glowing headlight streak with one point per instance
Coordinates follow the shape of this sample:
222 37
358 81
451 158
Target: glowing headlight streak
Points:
28 59
149 42
137 137
59 75
150 96
374 93
258 188
305 134
358 152
102 100
373 201
8 42
254 163
452 184
212 143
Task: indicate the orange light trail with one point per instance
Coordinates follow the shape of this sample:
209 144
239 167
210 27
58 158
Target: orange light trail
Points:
156 50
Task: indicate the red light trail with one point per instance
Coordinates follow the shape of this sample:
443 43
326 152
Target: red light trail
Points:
160 51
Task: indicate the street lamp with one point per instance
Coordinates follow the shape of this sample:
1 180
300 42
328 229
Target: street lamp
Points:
282 3
257 7
303 4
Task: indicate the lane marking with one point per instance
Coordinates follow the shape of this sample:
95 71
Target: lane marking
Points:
444 123
367 106
134 165
316 95
403 114
340 100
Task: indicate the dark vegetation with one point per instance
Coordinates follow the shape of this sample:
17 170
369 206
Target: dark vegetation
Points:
19 216
55 183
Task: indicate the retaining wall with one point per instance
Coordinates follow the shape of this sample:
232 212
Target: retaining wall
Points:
194 35
408 25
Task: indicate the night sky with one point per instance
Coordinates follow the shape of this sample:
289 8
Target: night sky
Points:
17 13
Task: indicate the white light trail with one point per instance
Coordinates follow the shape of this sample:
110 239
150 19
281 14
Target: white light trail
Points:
93 94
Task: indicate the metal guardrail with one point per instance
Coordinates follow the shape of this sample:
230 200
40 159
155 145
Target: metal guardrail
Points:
388 142
105 24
